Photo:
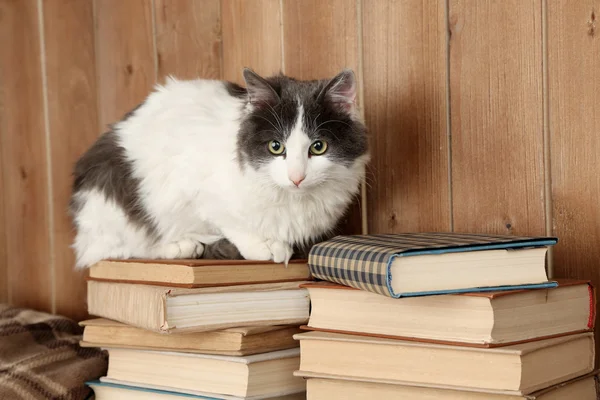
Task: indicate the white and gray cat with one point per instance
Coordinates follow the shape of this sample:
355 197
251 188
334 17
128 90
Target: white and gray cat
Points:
206 167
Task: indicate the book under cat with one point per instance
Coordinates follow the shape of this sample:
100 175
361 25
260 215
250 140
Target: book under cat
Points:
102 332
517 369
168 309
486 319
419 264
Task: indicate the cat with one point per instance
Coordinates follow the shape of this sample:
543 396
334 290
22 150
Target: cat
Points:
256 171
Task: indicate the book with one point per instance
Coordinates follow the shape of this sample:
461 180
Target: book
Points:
259 375
198 273
521 368
100 332
581 388
420 264
111 389
167 309
485 319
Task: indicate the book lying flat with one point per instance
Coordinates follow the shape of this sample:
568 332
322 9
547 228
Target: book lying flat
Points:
102 332
320 388
112 389
420 264
198 273
485 319
259 375
165 309
520 369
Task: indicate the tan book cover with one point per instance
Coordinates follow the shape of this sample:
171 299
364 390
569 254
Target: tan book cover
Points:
100 332
483 319
198 273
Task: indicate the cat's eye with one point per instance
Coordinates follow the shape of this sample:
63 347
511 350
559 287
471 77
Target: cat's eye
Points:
319 147
276 148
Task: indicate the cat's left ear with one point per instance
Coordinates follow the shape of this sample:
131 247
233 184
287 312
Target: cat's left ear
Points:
341 91
260 92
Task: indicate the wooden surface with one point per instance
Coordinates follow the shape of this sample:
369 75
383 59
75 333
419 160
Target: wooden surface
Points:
496 116
574 101
73 125
125 57
251 37
188 38
320 38
24 166
476 162
406 112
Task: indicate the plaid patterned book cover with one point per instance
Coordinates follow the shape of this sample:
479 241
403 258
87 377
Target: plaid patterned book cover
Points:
364 261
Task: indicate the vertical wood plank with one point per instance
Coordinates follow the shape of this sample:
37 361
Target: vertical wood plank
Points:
125 56
405 74
320 38
574 90
73 124
4 295
24 160
251 37
497 116
188 38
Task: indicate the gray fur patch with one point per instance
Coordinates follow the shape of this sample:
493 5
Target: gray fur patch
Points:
221 250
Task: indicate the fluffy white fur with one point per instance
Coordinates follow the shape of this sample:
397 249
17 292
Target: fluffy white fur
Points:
197 193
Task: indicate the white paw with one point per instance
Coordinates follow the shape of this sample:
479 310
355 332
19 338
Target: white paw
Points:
258 251
281 251
185 248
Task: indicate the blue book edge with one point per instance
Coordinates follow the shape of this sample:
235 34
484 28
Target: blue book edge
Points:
495 246
148 390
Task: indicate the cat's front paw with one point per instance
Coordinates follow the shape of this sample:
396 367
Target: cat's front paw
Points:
281 251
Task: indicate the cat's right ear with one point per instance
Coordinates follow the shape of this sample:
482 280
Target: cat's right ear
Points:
259 90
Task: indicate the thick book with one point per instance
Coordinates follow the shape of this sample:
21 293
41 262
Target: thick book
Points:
420 264
322 388
484 319
106 389
520 369
100 332
259 375
168 309
198 273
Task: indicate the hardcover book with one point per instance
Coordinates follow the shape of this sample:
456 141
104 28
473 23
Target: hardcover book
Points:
419 264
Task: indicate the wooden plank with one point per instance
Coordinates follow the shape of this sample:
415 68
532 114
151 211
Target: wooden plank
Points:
188 38
23 150
125 56
574 95
251 37
73 123
497 116
4 295
405 74
320 38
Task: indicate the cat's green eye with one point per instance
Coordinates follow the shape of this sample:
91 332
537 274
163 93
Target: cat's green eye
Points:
276 148
319 147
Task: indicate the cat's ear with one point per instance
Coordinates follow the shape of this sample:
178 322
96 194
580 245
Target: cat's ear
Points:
341 91
260 92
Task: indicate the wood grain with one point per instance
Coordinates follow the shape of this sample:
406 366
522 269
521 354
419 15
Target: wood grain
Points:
125 56
251 37
574 96
497 116
320 38
405 74
24 169
73 122
4 295
188 38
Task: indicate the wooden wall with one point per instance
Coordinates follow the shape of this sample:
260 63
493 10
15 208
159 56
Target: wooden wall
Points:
484 114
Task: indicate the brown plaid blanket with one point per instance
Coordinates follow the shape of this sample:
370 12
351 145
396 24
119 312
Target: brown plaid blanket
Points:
40 357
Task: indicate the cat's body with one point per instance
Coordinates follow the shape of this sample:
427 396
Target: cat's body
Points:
195 163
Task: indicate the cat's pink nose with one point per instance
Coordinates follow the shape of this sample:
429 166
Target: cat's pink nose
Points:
297 180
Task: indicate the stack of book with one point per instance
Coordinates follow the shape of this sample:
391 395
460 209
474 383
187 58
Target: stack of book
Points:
202 329
445 316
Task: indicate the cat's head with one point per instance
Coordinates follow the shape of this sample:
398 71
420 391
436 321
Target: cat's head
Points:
301 134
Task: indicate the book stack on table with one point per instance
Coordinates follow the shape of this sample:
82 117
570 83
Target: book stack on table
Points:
445 316
203 329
